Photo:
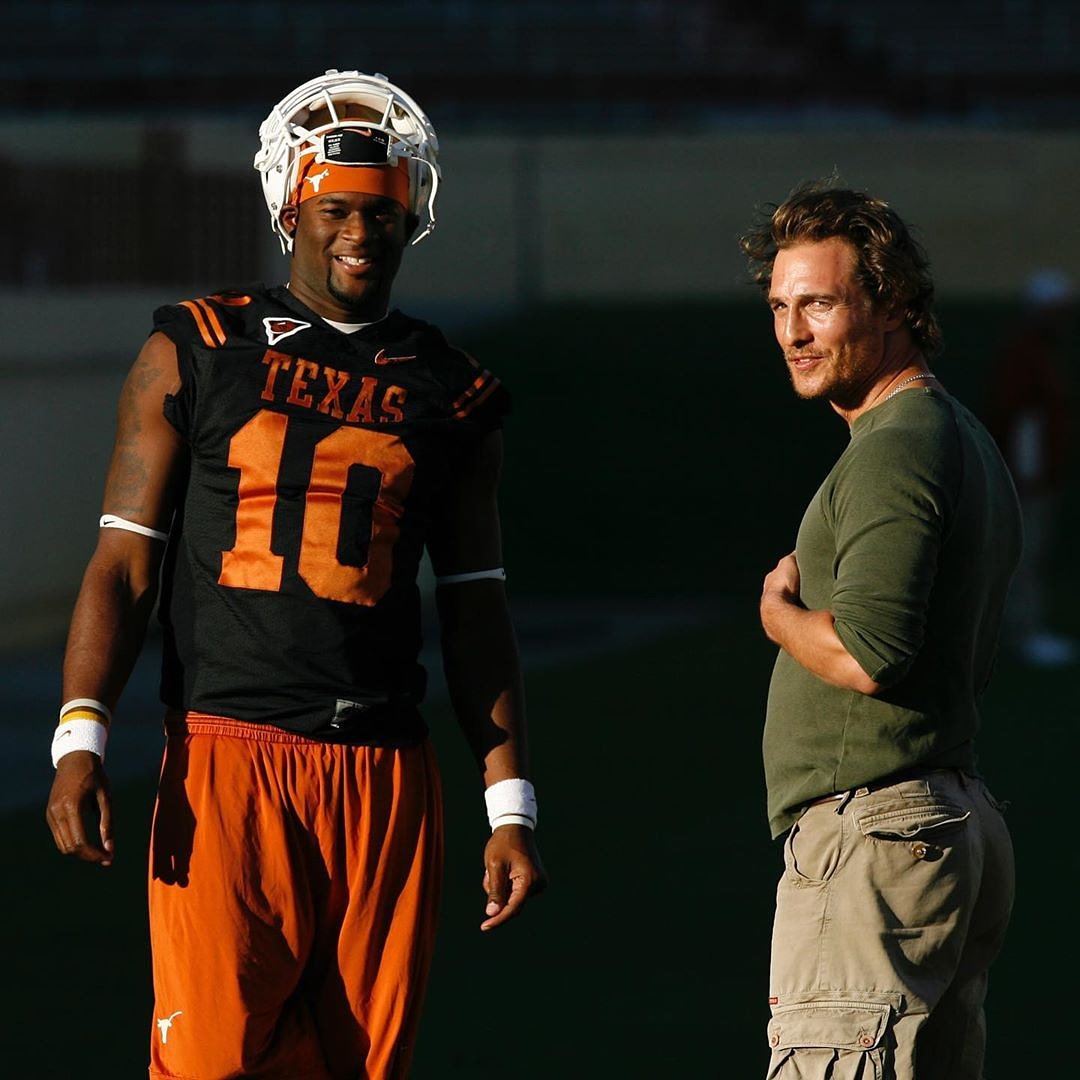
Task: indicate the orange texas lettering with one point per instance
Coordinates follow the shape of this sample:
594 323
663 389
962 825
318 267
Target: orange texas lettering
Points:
333 393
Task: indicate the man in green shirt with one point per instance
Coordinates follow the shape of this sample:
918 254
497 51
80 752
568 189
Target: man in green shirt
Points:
898 876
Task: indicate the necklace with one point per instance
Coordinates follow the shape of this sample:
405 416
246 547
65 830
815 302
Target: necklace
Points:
910 379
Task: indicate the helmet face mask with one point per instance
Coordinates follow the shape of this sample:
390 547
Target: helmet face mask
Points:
320 118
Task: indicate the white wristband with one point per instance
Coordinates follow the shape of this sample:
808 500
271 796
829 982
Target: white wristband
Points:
80 734
511 802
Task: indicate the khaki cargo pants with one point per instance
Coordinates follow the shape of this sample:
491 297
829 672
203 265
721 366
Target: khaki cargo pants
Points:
892 905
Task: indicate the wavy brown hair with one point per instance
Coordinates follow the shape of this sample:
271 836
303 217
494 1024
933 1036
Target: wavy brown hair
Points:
892 264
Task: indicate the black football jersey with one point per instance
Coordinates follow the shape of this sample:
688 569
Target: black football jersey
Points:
317 463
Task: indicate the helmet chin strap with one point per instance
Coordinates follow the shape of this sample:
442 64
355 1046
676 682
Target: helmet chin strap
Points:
284 235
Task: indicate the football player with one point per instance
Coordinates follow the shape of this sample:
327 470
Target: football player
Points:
283 457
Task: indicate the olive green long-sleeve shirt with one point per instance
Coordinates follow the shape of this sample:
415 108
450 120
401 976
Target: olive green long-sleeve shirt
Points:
910 543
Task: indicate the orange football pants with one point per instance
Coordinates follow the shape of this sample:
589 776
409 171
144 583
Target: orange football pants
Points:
294 886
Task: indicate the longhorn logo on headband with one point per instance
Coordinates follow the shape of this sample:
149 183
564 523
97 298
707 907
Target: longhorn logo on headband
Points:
315 181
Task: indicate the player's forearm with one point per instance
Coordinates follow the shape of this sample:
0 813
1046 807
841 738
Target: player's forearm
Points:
810 638
107 630
489 703
483 674
498 739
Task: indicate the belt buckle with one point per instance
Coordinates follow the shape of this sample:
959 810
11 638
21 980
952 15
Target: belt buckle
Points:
348 714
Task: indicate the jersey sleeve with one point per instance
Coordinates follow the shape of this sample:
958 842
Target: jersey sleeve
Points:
185 324
891 509
475 398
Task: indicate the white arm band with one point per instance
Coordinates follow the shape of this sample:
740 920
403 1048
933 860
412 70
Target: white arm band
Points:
81 732
111 521
498 574
511 802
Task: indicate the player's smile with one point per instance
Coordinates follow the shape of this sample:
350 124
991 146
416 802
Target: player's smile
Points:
358 264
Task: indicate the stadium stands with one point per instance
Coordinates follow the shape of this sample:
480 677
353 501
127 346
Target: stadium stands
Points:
159 213
557 64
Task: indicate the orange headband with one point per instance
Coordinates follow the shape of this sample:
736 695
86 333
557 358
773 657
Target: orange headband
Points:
392 181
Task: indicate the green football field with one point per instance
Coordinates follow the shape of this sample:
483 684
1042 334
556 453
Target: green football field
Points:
654 454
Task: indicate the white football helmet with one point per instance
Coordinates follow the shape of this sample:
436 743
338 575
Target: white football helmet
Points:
409 135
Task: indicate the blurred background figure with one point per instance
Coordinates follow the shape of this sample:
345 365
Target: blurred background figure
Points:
1028 413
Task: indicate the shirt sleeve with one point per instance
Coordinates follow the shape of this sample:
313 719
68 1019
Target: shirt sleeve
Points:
891 509
177 325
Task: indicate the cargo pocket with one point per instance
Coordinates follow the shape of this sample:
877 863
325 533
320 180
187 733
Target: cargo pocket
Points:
829 1040
908 822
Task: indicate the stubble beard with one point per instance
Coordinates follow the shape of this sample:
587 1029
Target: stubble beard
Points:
841 384
826 382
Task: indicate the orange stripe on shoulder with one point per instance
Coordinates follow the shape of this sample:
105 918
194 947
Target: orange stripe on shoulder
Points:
215 323
474 388
200 323
465 410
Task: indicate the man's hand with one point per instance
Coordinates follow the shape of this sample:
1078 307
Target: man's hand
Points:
79 793
810 637
512 873
781 587
783 579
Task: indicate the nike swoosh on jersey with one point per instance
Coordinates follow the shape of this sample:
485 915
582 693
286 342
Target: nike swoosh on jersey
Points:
382 358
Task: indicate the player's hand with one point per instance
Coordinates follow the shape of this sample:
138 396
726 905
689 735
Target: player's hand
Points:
80 809
512 873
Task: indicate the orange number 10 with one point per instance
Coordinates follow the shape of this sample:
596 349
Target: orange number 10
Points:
256 451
